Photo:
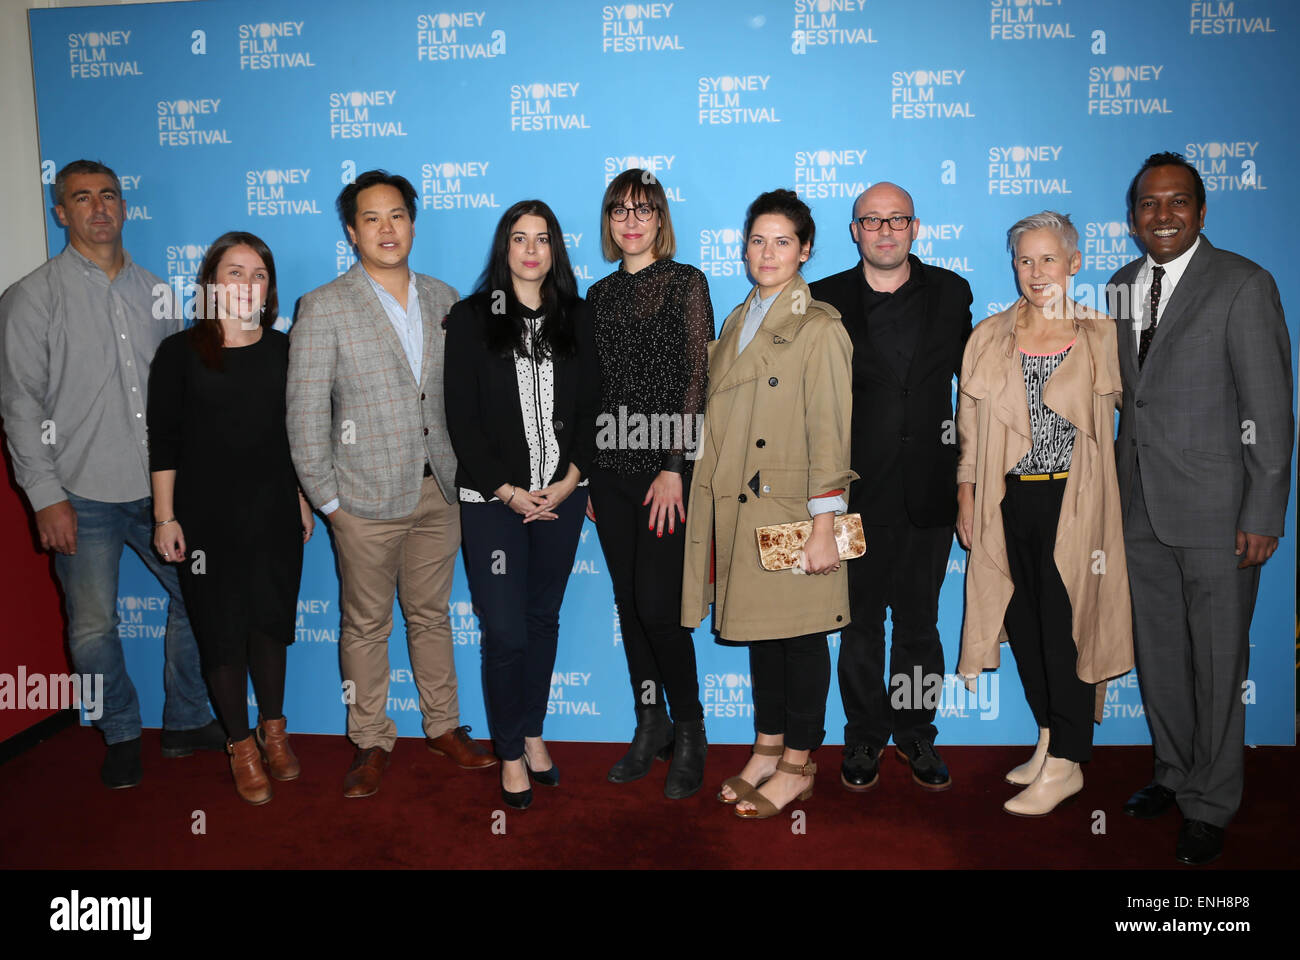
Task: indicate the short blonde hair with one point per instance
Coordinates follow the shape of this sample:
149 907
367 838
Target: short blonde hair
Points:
641 186
1047 220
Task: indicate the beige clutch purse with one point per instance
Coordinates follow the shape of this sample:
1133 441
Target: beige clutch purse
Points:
780 543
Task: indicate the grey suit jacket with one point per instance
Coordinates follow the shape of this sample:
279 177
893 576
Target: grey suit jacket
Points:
1208 415
360 427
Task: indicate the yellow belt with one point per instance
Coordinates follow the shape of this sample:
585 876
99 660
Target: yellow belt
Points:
1042 476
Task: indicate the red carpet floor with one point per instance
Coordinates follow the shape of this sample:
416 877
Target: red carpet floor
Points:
55 814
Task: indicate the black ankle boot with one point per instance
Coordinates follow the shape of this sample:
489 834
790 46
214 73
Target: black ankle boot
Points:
653 738
686 772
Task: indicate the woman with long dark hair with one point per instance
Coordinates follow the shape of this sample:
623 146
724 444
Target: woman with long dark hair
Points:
653 320
226 502
521 394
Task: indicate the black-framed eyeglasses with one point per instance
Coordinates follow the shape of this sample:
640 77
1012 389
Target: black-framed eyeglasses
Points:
896 222
644 211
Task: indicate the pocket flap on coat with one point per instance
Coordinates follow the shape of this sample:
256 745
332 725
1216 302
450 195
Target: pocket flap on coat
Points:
781 482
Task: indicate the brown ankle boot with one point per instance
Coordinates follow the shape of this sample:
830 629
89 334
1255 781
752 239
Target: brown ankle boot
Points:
246 765
274 744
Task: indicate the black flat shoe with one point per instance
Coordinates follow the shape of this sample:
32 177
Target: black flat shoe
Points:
860 769
550 777
1199 843
928 769
183 743
1149 802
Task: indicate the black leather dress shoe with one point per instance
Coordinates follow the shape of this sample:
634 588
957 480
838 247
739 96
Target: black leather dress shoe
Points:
928 768
1199 842
860 769
1149 802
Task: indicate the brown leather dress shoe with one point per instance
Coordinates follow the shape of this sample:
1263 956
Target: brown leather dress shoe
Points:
246 765
368 765
273 741
461 750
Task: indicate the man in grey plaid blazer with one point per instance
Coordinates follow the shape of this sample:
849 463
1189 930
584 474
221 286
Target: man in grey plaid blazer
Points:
369 439
1204 463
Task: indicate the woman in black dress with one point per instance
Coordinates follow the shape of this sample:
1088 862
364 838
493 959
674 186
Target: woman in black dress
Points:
227 507
653 320
521 395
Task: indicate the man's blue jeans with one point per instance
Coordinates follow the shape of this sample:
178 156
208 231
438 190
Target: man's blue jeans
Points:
89 579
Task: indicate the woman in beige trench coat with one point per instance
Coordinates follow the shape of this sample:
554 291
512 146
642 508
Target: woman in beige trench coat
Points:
774 449
1038 507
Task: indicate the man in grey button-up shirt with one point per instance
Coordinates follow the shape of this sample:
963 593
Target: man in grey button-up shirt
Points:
77 336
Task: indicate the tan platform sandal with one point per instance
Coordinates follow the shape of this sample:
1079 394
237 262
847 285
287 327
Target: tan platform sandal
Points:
763 807
741 787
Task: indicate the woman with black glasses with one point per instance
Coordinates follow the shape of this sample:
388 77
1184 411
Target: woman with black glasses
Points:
521 395
653 319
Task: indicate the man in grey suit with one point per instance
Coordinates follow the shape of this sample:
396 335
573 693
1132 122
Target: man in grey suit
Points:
1204 455
369 439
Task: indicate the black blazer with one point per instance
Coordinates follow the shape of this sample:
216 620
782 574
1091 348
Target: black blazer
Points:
903 429
484 419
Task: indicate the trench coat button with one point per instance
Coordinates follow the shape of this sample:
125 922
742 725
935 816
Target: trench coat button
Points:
421 396
772 381
760 443
839 619
742 498
1132 442
559 425
906 392
903 438
1142 403
767 488
426 431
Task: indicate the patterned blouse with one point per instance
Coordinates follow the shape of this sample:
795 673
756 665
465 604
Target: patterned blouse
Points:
536 380
651 330
1053 435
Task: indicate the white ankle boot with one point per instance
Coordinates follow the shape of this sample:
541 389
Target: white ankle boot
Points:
1057 780
1023 775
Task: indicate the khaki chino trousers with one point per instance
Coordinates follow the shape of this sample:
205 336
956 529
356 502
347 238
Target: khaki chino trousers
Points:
413 558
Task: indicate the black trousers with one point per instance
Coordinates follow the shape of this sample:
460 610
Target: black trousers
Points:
517 575
647 574
791 680
902 570
1039 619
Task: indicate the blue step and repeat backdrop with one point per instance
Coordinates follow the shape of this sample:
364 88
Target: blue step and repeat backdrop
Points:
252 115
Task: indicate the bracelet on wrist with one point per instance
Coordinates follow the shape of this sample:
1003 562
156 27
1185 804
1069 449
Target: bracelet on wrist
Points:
513 491
163 523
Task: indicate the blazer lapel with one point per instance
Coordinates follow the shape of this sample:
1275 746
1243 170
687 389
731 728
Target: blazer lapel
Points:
374 314
431 327
922 348
1191 286
1123 309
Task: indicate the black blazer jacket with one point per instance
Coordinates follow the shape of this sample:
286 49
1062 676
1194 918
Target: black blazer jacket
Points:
903 428
484 418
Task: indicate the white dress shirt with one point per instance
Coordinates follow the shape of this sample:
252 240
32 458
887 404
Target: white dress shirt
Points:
1142 287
